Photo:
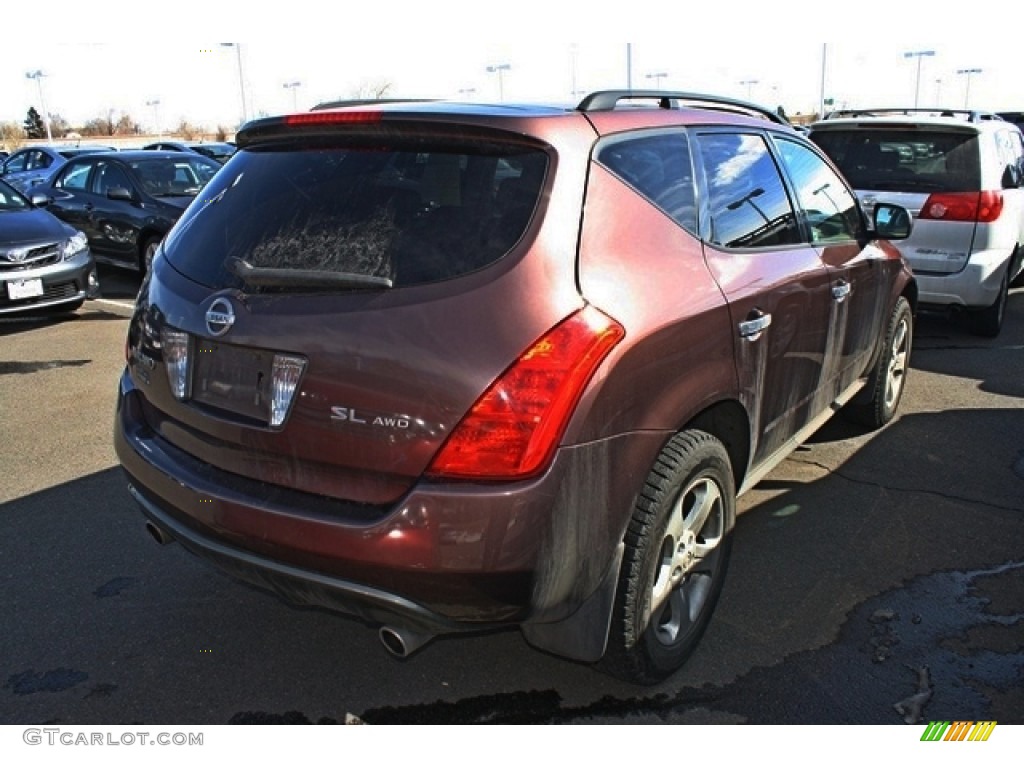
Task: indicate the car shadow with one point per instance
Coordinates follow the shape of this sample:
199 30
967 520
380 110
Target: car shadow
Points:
123 630
942 344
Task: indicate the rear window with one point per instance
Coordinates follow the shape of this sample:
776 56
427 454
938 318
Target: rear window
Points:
293 218
905 160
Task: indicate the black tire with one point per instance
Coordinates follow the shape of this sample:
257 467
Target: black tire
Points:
147 252
989 321
889 378
676 555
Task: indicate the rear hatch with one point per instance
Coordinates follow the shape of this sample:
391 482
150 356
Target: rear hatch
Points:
342 294
933 172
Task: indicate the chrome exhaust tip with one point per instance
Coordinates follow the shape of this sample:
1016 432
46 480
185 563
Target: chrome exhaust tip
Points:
161 536
402 642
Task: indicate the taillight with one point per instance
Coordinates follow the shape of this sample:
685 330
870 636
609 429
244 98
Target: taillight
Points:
175 345
513 429
982 207
333 118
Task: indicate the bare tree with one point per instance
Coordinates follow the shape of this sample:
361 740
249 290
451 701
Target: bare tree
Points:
11 135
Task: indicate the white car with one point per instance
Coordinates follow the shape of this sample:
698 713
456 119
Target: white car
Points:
961 175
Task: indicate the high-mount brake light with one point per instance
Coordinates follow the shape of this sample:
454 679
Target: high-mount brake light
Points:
334 118
983 207
512 431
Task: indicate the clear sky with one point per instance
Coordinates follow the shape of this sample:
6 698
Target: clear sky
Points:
116 58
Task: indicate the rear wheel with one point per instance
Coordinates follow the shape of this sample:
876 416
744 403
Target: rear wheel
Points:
890 375
676 555
989 321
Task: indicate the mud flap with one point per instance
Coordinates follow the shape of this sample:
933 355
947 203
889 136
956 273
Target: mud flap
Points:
583 636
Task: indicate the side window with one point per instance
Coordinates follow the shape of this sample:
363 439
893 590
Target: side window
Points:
74 176
1008 144
107 177
16 164
748 202
38 161
660 168
828 204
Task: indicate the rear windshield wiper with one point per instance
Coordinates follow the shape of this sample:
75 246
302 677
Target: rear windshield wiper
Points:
282 277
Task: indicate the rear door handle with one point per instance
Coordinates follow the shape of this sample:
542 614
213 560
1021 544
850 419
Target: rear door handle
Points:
840 290
756 322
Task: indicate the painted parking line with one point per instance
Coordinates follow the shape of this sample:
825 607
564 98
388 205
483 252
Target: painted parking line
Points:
122 304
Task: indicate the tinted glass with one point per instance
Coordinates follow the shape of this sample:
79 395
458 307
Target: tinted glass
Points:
39 160
181 175
109 177
659 167
749 205
408 214
828 204
904 160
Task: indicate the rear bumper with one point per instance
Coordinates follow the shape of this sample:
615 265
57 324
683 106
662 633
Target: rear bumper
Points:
443 559
976 286
299 586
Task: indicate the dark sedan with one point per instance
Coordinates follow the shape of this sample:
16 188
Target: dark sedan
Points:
45 265
126 202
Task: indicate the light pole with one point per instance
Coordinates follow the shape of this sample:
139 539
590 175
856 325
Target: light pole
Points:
917 83
155 104
967 93
573 54
938 92
38 76
750 84
295 94
656 77
241 77
500 69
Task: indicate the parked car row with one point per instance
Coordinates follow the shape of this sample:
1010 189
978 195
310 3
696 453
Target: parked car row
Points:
33 165
119 205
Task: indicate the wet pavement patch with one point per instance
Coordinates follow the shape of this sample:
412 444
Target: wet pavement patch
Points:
53 681
930 649
292 717
114 587
7 367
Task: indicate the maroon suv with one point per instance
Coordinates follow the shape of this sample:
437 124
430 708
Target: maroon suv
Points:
453 367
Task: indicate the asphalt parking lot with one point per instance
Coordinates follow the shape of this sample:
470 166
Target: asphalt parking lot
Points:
876 578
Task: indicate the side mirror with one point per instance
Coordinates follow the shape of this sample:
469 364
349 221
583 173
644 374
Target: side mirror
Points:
892 221
40 200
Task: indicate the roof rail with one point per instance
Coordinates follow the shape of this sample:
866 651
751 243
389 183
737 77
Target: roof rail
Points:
971 115
606 101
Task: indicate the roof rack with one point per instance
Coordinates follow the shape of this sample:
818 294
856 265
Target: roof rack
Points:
972 115
606 101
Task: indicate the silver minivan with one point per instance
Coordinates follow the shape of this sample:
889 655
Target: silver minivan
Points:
961 176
